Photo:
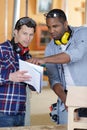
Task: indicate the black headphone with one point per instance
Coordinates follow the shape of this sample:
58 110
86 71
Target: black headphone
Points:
18 48
64 40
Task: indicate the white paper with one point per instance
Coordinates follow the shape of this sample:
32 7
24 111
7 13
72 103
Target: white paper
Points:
36 73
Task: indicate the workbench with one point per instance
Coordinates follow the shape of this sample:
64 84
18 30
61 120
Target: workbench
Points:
40 127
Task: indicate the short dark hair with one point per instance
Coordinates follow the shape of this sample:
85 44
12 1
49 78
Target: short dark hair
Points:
29 22
56 13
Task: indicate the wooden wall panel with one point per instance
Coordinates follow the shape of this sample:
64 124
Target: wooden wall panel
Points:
2 17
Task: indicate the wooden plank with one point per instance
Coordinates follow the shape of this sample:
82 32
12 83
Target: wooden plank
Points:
42 127
77 96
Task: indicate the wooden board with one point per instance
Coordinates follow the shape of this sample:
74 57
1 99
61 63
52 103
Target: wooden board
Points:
42 127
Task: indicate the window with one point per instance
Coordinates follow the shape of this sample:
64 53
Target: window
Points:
42 37
43 7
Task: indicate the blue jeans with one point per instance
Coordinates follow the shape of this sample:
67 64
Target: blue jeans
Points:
62 113
11 120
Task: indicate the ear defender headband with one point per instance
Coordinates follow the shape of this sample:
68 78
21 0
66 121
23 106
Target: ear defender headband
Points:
64 40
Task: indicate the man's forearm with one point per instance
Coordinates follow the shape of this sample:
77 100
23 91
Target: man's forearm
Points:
58 58
61 58
60 92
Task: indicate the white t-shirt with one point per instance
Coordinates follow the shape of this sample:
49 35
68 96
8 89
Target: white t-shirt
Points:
68 78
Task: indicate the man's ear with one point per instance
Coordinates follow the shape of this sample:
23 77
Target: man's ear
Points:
66 24
15 32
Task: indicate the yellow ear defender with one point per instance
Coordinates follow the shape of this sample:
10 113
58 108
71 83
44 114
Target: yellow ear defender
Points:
64 39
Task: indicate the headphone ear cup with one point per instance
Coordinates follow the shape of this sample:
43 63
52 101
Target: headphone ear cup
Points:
17 48
57 42
23 50
65 38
